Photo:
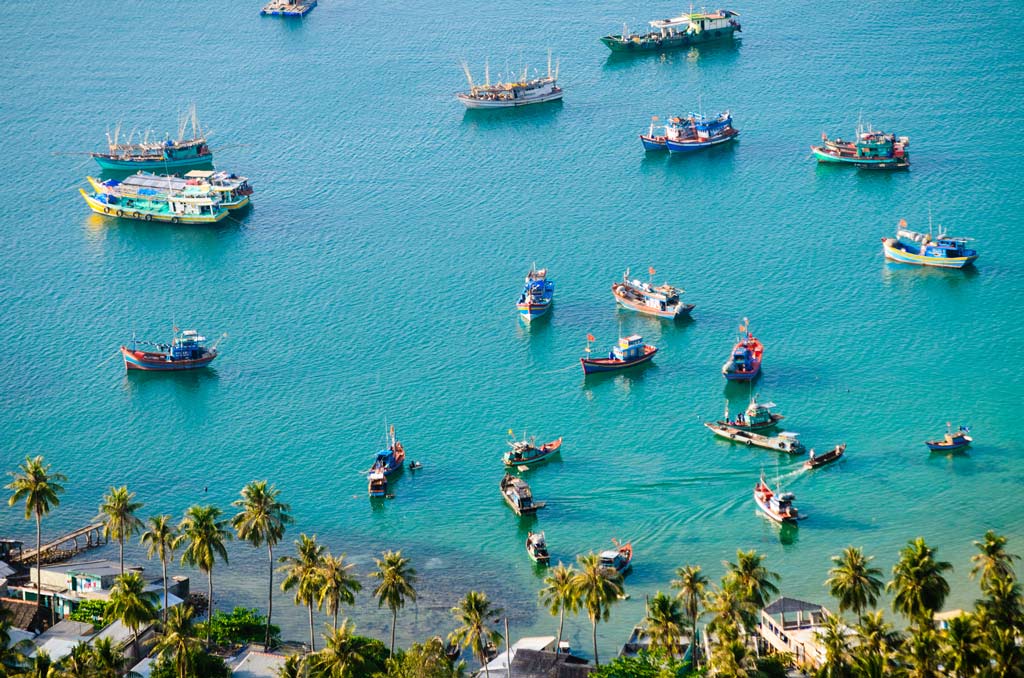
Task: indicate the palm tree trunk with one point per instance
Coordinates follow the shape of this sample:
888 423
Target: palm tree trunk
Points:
593 621
561 621
270 596
209 607
39 560
163 563
312 646
394 623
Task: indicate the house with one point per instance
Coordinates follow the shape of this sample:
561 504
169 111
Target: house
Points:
790 625
535 657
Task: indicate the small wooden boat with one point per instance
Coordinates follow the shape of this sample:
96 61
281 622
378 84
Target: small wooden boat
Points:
518 496
619 558
953 441
776 505
629 352
818 460
377 484
525 453
745 362
758 416
662 301
537 296
786 441
185 352
537 548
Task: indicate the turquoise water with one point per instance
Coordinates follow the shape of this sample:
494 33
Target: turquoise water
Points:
376 277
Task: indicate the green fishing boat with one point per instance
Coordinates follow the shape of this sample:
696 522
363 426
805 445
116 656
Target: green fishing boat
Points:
682 31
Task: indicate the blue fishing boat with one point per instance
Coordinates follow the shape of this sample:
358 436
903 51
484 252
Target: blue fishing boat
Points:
629 352
537 296
953 441
696 132
944 251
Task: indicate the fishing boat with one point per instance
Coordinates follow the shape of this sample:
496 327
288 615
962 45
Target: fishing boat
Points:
157 155
292 8
525 452
953 441
776 505
522 91
537 548
186 351
757 416
196 204
629 352
537 295
786 441
870 149
232 191
377 484
518 496
682 31
745 362
817 460
944 251
697 131
619 559
662 301
392 457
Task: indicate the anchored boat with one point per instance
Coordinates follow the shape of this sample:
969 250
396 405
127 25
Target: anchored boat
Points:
526 453
517 494
944 251
757 416
953 441
157 155
629 352
520 92
745 362
619 559
871 149
537 548
817 460
696 132
662 301
786 441
231 190
186 351
537 295
195 204
682 31
776 505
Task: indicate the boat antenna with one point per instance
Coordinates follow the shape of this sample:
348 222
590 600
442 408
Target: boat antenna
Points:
469 76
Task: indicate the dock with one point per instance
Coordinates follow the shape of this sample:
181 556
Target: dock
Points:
287 8
51 552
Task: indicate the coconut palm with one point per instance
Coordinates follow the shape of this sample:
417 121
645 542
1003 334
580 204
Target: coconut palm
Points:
853 582
832 637
341 656
598 588
262 520
755 582
918 585
992 559
177 640
474 614
159 541
691 586
664 622
397 581
559 595
117 513
920 655
131 604
337 585
302 573
204 535
110 662
875 636
38 487
961 653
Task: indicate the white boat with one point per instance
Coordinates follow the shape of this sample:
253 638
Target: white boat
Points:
520 92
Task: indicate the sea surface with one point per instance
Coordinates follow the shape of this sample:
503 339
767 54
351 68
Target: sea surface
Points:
376 275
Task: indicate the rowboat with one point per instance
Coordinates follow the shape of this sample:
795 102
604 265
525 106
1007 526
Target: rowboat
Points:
518 496
745 362
818 460
757 416
525 453
662 301
537 548
629 352
786 441
619 558
776 505
186 351
953 441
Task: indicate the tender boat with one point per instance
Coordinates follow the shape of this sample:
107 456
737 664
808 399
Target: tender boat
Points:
157 155
870 149
520 92
619 558
758 416
293 8
537 296
391 458
817 460
525 452
696 132
629 352
786 441
377 484
231 190
195 204
944 251
953 441
682 31
185 352
518 496
662 301
776 505
537 548
745 362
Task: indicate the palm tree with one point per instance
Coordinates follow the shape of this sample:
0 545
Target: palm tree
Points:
754 580
38 487
993 560
262 520
131 604
337 586
962 653
177 639
110 662
918 584
875 636
341 656
853 582
397 585
664 622
117 513
691 586
920 654
559 595
832 637
159 539
302 573
598 588
474 613
205 536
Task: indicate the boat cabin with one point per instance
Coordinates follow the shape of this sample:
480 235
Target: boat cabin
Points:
629 348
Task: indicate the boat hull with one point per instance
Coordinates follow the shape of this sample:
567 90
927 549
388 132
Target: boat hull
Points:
600 365
128 165
616 44
470 102
897 254
151 362
697 145
116 211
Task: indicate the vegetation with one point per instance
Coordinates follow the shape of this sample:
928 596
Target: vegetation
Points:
241 625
